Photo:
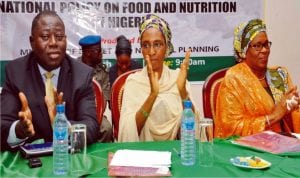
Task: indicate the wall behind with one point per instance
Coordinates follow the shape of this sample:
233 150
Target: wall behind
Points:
282 20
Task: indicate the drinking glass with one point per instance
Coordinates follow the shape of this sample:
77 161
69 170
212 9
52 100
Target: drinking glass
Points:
206 152
78 149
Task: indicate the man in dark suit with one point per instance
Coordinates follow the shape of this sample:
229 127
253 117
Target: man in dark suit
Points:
26 112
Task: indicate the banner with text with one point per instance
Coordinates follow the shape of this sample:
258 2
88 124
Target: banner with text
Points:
205 26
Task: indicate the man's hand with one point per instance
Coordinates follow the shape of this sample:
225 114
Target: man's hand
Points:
51 105
24 127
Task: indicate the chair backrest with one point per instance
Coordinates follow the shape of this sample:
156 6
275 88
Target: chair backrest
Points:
116 99
210 91
100 101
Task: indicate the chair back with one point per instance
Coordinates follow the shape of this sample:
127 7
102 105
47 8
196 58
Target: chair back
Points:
100 101
116 99
210 91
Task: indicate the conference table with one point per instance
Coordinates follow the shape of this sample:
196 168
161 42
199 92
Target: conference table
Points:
283 165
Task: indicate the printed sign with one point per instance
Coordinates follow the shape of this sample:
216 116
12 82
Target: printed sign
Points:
204 26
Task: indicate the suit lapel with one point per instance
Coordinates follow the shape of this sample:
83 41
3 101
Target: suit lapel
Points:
64 79
38 89
65 85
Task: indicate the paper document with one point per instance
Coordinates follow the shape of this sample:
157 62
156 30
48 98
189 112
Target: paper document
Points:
271 142
139 158
296 135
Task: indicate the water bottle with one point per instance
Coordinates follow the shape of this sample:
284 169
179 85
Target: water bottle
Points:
188 144
60 142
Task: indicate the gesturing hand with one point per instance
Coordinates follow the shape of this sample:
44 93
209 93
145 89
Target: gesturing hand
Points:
181 80
153 77
51 104
292 99
24 127
281 108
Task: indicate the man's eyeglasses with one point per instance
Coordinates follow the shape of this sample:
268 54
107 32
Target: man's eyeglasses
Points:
259 46
156 46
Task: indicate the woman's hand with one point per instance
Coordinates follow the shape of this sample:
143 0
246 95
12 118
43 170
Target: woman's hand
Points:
293 100
282 107
153 77
51 105
182 77
24 127
145 109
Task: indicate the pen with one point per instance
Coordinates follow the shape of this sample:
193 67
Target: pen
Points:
178 154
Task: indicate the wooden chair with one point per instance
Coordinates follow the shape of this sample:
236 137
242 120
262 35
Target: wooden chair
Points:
116 99
210 91
100 101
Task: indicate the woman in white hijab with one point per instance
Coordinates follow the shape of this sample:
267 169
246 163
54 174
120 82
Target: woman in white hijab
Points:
153 98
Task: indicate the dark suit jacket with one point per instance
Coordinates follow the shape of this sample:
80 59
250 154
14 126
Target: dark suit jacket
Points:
75 81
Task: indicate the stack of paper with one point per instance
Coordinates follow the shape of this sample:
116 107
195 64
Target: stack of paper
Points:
140 163
271 142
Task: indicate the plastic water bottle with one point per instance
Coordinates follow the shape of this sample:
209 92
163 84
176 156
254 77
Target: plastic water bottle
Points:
60 142
188 143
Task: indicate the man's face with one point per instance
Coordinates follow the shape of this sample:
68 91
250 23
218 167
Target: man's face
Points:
48 42
92 55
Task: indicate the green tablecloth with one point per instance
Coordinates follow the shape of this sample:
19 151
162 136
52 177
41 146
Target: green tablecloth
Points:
284 165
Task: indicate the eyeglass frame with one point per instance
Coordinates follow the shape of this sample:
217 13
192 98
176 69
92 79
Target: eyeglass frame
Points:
155 45
260 46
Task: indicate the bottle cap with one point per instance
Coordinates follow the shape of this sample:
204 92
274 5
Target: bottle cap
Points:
60 108
187 104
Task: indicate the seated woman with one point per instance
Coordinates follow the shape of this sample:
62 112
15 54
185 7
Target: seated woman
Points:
153 97
124 62
253 97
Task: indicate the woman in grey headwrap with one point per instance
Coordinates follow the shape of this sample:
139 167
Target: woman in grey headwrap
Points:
152 99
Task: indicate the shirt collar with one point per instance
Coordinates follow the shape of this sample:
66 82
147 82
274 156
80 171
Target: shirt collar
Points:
43 71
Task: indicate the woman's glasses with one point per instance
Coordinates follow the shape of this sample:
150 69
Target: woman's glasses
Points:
156 46
259 46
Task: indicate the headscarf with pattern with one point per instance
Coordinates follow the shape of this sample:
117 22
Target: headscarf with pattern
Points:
244 34
153 21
